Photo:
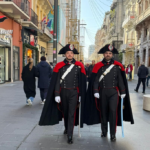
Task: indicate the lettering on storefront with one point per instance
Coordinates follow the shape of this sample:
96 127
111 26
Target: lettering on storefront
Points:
5 36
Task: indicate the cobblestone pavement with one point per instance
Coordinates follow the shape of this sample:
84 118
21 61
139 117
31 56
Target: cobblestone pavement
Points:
19 128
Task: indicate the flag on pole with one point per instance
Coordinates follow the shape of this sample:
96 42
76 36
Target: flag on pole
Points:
44 19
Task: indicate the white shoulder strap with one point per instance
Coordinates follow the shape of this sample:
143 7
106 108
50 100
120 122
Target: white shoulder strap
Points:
106 72
66 73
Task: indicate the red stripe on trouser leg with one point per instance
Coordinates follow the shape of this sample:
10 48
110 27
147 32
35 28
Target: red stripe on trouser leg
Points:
117 114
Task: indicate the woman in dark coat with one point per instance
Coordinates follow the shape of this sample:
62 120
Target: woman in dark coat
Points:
28 76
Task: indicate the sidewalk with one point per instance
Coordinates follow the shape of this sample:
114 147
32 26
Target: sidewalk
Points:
19 128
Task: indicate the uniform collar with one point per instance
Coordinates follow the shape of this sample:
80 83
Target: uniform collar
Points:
107 63
67 62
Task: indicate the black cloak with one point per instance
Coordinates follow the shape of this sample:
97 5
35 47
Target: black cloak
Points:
92 114
51 113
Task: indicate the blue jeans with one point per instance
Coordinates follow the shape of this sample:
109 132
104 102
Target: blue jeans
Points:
147 80
31 98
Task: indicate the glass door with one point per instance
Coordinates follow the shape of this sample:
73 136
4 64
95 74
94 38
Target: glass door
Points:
2 65
16 64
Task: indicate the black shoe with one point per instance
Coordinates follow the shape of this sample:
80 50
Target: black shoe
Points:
70 141
113 138
143 92
65 131
136 90
103 134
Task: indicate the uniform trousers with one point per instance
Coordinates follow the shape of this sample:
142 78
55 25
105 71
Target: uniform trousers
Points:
69 103
108 106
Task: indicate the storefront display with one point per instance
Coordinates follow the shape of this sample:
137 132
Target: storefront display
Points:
30 49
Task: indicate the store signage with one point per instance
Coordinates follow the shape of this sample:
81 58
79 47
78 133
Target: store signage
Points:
7 36
29 38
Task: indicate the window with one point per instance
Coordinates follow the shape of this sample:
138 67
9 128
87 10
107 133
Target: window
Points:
146 4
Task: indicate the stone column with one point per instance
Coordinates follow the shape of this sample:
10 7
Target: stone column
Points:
141 54
147 57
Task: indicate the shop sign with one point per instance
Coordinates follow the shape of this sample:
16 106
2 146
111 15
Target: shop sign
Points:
7 36
29 38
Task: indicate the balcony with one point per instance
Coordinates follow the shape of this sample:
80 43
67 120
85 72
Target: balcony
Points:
46 5
32 22
17 9
129 20
44 32
144 16
128 46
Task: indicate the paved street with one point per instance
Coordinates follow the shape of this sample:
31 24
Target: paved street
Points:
19 128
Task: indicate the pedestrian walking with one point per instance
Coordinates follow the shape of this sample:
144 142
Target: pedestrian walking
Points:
44 75
142 75
28 76
103 103
129 70
68 88
147 79
90 69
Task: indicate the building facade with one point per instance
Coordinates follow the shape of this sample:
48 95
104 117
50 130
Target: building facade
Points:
128 25
44 34
11 53
115 35
142 47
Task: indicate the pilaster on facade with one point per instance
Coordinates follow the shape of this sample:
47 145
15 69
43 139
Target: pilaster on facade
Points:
141 54
147 57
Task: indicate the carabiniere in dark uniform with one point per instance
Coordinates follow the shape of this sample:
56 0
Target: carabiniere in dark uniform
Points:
68 92
109 87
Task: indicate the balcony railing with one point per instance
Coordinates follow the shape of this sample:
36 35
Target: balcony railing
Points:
33 17
24 5
130 18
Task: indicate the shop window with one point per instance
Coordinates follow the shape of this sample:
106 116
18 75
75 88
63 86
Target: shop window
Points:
29 53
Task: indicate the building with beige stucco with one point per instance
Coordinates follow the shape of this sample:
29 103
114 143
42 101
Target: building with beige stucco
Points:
142 27
129 39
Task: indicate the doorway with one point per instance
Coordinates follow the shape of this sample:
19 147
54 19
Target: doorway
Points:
16 63
2 65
